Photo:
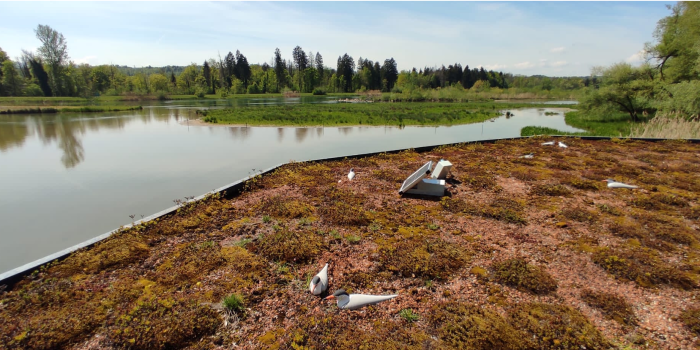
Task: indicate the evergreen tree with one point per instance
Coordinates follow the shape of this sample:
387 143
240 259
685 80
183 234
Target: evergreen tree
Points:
41 76
301 62
346 66
242 69
279 68
229 68
319 65
390 73
206 72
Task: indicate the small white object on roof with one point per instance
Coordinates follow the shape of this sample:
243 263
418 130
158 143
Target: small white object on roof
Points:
417 184
562 145
550 143
351 174
441 170
416 177
429 187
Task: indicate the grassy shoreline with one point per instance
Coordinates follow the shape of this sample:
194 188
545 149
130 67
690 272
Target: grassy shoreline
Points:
618 125
363 114
66 109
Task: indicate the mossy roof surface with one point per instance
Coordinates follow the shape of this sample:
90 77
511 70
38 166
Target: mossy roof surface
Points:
502 261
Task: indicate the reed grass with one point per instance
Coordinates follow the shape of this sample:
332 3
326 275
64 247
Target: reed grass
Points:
668 127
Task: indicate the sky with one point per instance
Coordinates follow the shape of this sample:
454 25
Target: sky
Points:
548 38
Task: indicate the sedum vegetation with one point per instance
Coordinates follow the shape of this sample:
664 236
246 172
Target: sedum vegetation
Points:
487 266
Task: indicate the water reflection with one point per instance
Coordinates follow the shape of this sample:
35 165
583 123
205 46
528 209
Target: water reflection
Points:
240 132
66 130
13 133
300 134
280 134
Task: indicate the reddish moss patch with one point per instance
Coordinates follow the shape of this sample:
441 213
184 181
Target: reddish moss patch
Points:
518 273
557 327
468 326
613 306
691 319
288 246
280 207
643 266
163 323
550 190
415 252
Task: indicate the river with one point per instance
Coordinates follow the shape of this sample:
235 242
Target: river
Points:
66 178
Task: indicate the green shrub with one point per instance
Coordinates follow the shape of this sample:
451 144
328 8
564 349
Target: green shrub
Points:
319 91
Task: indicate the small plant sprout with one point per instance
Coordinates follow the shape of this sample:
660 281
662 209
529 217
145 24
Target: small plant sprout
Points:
408 315
234 302
433 226
266 219
334 233
353 239
132 217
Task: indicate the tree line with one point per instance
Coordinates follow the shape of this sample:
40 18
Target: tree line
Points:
50 72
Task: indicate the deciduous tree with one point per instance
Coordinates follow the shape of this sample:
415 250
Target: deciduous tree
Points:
54 51
11 81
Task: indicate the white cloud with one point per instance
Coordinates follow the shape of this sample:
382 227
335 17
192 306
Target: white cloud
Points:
524 65
558 49
496 66
86 59
637 57
559 64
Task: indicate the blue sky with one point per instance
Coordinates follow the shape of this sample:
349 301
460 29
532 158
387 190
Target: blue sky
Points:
550 38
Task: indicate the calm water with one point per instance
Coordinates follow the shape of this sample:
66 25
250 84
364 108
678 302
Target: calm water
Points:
65 179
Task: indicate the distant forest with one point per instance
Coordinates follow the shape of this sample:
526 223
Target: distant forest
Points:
50 72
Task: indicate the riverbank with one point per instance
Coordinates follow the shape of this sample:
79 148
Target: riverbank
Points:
617 125
363 114
536 252
64 109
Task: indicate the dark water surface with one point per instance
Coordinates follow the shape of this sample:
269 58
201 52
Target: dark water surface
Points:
66 178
